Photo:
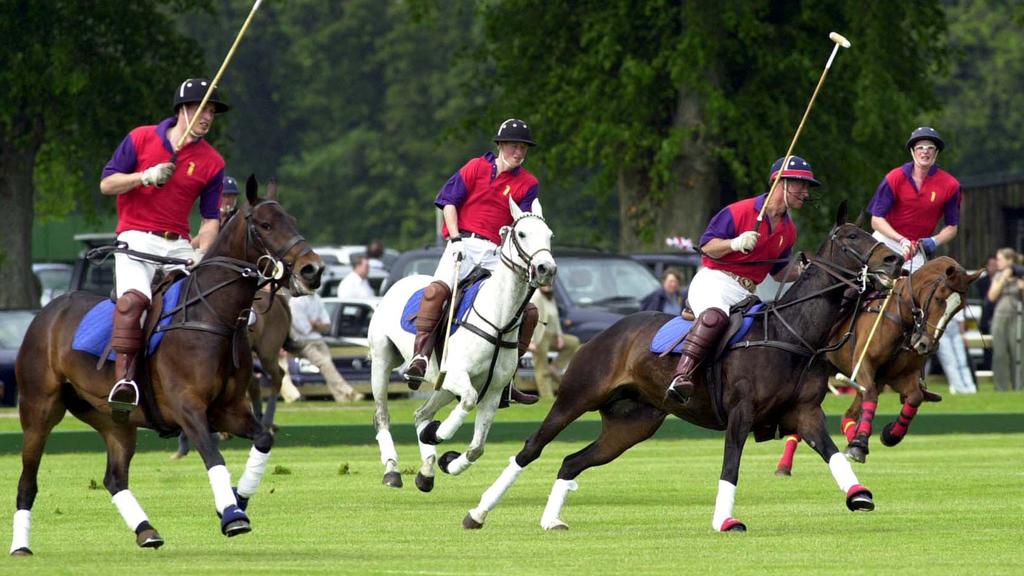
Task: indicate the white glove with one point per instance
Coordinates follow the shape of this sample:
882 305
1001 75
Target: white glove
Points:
157 175
744 242
456 248
197 258
906 249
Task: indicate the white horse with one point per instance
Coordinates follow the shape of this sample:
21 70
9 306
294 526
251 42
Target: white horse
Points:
477 370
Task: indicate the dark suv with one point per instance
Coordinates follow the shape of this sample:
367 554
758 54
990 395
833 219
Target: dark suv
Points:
593 289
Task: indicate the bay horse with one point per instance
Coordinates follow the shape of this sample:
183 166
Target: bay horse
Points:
908 333
482 360
196 380
772 381
267 337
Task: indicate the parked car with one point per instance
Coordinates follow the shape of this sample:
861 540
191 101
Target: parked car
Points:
13 325
54 279
97 277
657 262
593 289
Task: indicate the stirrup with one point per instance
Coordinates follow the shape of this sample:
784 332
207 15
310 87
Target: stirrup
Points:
412 374
680 390
120 403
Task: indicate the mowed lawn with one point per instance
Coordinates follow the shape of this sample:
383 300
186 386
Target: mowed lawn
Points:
946 504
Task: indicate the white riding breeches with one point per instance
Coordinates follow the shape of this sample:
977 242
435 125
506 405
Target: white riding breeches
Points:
714 289
914 263
134 274
477 251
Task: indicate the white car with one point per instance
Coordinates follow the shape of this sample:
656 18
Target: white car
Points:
338 264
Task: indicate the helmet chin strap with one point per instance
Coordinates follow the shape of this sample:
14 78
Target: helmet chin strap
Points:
188 121
785 193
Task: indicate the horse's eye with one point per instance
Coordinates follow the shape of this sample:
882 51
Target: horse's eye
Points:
521 234
265 226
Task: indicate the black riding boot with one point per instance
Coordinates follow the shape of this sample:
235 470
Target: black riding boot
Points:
699 341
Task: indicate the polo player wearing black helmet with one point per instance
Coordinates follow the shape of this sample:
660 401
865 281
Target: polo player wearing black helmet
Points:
155 194
912 198
474 203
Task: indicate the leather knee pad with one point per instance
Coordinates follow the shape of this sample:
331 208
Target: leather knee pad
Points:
128 311
434 296
530 316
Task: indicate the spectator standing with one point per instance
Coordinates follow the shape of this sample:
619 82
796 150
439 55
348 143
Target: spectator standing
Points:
356 284
953 357
309 323
547 337
375 254
1005 291
670 298
987 308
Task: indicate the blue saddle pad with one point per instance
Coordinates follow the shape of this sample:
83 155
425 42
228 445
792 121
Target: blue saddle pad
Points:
412 307
673 330
94 331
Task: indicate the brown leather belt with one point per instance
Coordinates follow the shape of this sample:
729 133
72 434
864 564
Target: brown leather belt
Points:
166 235
747 283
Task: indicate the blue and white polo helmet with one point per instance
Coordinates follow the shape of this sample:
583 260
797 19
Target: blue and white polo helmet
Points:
797 169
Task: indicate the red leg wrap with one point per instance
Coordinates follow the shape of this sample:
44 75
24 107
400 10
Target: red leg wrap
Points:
867 415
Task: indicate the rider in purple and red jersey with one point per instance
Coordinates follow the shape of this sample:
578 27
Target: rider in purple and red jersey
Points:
474 203
155 194
738 254
912 198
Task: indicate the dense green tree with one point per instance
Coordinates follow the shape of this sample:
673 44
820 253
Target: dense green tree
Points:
76 78
681 106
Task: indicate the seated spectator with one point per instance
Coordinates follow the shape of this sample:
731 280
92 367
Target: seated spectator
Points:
670 298
309 323
356 285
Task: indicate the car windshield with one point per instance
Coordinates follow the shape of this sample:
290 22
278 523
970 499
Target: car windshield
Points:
597 281
13 325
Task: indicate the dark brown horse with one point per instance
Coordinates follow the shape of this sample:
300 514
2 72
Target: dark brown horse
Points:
196 380
267 337
907 334
773 379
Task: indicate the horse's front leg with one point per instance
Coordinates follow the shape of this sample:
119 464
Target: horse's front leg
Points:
423 419
458 384
736 432
193 421
454 463
857 449
812 429
893 432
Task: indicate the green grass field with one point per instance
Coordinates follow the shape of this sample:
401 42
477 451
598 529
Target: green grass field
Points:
946 504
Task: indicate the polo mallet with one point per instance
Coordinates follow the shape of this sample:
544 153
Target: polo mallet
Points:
839 40
213 83
871 336
443 371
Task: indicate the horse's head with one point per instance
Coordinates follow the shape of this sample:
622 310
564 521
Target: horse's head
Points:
275 246
855 254
939 289
526 245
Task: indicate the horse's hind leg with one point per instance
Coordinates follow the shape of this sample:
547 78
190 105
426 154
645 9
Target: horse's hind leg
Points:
624 424
811 425
40 408
384 359
565 411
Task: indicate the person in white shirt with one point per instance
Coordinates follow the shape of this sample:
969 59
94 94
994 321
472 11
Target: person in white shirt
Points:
355 285
309 323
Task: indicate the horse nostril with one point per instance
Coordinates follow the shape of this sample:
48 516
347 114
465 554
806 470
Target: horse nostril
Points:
542 269
311 271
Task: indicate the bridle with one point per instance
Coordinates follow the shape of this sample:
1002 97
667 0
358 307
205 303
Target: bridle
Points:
526 270
919 324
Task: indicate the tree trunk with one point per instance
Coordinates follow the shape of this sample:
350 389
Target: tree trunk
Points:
19 288
695 194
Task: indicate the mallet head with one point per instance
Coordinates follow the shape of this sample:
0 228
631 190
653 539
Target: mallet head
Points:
839 39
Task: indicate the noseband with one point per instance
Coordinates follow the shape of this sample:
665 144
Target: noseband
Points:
525 270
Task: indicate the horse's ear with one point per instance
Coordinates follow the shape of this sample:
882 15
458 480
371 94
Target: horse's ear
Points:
536 209
250 189
841 214
859 223
972 277
516 212
272 189
503 231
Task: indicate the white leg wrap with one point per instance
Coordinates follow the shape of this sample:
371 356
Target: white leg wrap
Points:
842 472
22 528
452 423
220 482
387 447
249 483
556 500
723 504
459 465
129 508
492 495
427 451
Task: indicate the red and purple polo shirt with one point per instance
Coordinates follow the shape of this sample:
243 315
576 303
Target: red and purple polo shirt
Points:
912 212
481 196
199 174
773 244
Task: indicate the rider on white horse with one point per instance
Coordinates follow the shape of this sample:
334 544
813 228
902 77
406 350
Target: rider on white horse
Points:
474 202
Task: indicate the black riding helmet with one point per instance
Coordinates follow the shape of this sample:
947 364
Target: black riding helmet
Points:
514 130
230 186
193 90
926 133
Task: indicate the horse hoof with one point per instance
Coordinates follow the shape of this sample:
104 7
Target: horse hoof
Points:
243 502
424 483
393 479
856 452
21 552
888 438
859 499
147 537
783 472
733 525
470 524
234 522
429 433
446 459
